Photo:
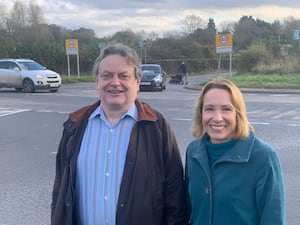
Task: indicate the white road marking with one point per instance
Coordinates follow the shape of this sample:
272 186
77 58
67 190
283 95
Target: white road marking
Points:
7 112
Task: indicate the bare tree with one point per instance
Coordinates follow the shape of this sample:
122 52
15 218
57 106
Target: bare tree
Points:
153 35
192 23
227 27
35 15
17 16
2 17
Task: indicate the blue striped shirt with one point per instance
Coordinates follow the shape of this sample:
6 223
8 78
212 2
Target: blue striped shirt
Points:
100 167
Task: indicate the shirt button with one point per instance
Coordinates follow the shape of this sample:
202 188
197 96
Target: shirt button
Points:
107 174
122 205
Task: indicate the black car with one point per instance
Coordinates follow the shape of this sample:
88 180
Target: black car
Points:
153 77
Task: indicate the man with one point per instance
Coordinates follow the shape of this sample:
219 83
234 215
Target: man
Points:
118 160
182 70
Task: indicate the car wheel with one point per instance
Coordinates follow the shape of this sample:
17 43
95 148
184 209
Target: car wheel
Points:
28 86
161 87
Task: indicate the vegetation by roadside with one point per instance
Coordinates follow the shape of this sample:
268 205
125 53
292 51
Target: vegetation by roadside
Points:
264 81
245 80
75 79
259 46
273 81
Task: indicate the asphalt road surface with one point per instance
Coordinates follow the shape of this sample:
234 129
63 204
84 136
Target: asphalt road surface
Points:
31 126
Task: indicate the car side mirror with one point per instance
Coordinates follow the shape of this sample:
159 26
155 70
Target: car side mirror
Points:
16 69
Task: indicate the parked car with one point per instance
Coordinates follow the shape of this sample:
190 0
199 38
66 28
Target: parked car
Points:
27 75
153 77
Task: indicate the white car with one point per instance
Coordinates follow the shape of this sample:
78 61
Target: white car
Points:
27 75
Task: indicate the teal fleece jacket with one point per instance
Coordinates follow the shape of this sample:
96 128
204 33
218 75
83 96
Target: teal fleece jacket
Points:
245 186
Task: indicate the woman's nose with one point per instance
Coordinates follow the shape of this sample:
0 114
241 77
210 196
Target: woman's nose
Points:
218 116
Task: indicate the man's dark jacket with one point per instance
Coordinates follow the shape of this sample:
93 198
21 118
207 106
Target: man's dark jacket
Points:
152 188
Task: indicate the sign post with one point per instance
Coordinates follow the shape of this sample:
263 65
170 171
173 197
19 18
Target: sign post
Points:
143 45
101 45
297 36
72 49
224 45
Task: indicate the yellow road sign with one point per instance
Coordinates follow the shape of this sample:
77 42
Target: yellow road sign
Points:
71 46
224 40
224 43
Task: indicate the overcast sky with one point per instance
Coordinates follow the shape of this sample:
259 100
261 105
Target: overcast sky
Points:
106 17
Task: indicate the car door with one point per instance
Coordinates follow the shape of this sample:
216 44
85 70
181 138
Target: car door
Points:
10 74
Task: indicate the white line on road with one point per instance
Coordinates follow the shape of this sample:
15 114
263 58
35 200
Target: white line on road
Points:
294 125
260 123
181 119
10 112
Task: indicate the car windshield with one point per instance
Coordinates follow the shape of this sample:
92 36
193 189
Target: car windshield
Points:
26 65
154 69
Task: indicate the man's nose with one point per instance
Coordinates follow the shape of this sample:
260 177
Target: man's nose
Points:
115 79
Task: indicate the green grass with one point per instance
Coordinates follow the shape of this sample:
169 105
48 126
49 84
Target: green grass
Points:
75 79
276 81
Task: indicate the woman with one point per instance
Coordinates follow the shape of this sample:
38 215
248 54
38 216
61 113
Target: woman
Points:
232 177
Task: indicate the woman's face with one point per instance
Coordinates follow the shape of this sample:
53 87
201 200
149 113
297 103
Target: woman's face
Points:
218 115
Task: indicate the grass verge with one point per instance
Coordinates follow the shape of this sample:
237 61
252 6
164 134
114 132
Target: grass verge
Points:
263 81
271 81
75 79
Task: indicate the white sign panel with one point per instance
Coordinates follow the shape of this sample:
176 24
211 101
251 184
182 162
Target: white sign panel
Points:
296 34
224 49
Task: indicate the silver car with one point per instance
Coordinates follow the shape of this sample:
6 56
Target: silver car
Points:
27 75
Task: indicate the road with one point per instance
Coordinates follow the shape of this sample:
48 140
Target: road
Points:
31 126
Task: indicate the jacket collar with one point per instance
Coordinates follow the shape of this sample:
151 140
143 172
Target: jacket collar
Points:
145 112
239 153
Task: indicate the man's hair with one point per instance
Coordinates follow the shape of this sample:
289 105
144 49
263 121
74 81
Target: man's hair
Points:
242 125
122 50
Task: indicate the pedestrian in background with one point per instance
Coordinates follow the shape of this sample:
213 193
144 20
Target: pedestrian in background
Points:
232 176
182 70
118 160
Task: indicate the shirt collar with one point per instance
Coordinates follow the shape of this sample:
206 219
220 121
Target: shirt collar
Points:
132 112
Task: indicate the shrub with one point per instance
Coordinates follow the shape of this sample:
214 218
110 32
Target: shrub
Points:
257 54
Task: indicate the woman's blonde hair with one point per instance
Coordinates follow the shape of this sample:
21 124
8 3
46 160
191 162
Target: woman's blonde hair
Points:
242 124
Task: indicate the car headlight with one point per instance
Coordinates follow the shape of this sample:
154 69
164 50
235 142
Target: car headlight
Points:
157 78
39 76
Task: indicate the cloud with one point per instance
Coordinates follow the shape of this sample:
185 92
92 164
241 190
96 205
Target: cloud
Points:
187 4
107 17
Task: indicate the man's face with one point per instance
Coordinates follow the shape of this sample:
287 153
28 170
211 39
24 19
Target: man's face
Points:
116 83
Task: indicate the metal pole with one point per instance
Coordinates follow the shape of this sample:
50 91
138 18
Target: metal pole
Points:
68 60
145 55
78 71
230 63
219 65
